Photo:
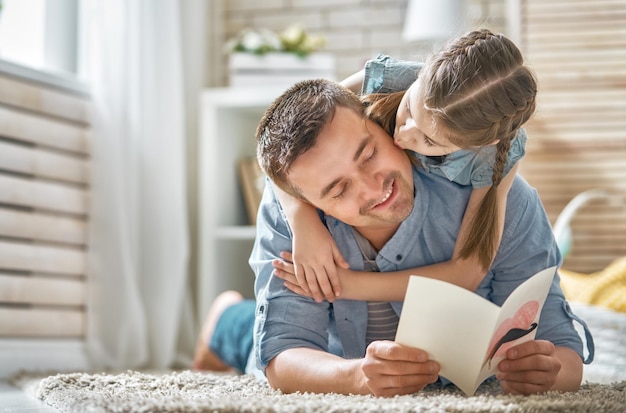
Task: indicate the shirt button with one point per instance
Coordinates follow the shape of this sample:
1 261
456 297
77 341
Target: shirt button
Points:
398 257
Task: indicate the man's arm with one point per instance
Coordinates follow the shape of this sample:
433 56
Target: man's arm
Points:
571 374
388 369
553 361
316 371
538 366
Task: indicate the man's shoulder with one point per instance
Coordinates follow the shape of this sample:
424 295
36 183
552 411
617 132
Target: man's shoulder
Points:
270 211
522 191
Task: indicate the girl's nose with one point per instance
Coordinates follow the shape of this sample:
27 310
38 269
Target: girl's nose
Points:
407 126
405 135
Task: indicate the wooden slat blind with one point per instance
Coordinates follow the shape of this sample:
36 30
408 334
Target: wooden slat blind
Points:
37 99
44 195
577 139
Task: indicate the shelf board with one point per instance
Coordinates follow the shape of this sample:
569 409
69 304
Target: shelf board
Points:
246 232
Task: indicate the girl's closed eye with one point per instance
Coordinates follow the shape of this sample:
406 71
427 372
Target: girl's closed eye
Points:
428 141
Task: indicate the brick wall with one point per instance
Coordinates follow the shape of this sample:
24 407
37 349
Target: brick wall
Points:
356 30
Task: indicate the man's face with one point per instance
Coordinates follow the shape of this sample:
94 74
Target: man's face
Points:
356 174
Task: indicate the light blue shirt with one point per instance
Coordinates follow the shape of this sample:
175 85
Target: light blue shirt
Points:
286 320
384 74
474 167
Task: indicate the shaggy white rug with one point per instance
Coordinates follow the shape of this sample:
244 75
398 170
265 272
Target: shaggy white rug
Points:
194 392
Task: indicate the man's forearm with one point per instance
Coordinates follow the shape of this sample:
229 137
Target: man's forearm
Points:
309 370
570 375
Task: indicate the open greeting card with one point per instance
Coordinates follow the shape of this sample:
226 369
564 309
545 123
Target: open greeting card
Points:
465 333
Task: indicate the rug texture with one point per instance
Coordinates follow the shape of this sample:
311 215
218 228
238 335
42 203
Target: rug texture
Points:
195 392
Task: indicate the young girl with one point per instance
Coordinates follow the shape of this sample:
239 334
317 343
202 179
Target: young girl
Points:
460 119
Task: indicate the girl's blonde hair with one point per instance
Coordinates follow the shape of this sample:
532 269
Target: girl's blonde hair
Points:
479 90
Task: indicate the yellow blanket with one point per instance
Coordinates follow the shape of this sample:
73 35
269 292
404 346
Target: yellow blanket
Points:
606 288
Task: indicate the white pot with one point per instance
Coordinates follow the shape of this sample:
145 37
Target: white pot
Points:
248 69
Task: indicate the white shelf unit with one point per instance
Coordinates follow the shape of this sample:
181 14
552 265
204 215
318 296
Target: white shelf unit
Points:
228 121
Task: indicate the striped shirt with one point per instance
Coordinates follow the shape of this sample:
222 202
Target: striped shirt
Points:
382 320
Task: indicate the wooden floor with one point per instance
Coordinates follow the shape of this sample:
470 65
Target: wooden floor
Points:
14 400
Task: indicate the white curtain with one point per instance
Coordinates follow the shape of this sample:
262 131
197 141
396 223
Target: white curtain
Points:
139 309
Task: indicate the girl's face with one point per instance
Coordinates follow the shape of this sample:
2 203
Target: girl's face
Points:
415 127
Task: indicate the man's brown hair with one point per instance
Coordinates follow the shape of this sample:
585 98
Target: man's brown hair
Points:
292 123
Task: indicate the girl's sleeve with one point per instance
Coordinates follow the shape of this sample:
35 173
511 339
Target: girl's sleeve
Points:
384 74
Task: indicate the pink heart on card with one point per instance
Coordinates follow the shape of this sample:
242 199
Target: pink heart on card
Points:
511 329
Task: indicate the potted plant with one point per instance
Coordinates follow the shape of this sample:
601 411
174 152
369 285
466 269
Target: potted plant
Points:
265 57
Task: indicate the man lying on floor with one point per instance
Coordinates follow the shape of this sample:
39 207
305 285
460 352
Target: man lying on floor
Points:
315 142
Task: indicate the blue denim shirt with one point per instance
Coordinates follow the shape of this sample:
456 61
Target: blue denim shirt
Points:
286 320
384 74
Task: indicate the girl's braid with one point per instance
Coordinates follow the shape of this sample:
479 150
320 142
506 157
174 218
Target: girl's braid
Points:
479 91
503 147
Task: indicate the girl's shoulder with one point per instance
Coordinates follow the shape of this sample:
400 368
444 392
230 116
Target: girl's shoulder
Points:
474 167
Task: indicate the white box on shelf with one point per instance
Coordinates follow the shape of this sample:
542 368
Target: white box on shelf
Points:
279 69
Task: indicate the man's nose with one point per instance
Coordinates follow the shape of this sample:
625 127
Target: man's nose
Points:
371 185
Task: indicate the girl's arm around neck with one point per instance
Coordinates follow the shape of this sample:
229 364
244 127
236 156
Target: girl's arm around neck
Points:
315 254
391 286
372 286
354 82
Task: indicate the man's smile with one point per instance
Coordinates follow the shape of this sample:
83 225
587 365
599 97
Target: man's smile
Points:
385 197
